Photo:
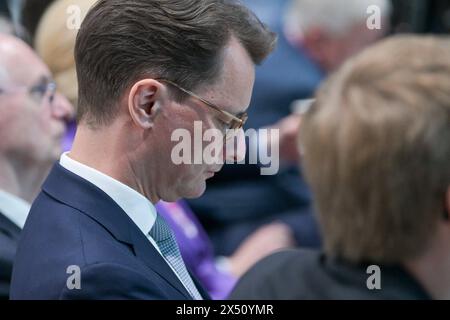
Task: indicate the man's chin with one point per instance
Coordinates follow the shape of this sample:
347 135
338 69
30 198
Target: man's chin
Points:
196 191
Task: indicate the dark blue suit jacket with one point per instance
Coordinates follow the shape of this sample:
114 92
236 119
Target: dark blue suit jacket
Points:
74 223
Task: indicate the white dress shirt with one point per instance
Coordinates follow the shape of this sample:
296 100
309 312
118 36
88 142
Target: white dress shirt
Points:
14 208
136 206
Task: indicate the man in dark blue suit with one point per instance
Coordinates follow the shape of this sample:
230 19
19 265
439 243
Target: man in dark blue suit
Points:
32 122
73 227
93 232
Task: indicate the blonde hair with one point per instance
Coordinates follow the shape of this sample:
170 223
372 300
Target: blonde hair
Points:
55 43
376 147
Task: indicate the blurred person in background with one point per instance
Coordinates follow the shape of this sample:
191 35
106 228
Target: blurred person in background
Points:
54 41
376 152
32 123
314 38
55 44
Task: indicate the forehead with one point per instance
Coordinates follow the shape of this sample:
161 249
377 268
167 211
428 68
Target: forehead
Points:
20 65
232 92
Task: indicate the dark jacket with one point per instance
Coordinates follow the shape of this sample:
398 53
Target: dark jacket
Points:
9 239
307 274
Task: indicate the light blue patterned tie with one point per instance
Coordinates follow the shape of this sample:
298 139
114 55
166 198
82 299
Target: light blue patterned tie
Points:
166 242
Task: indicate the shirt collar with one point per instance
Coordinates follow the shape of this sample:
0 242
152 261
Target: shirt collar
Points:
14 208
135 205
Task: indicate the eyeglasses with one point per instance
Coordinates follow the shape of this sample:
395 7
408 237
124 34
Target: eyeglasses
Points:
39 91
233 122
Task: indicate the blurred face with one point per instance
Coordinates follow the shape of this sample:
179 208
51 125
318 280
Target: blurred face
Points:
358 38
330 51
32 120
232 93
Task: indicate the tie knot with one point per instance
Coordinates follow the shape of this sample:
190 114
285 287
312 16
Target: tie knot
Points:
160 230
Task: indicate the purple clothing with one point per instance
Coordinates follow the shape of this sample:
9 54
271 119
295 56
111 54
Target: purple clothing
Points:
69 136
196 249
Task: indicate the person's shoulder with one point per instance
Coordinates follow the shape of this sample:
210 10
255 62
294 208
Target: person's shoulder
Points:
286 261
48 217
47 205
290 255
64 229
276 276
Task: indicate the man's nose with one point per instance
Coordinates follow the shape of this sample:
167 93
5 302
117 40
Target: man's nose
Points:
62 108
235 147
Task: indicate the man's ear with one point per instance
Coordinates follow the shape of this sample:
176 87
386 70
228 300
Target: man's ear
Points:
144 101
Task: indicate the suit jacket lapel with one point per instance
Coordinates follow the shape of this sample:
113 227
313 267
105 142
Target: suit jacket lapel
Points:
84 196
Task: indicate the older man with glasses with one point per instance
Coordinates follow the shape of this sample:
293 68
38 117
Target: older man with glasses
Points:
32 122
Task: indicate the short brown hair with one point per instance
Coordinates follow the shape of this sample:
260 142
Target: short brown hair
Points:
376 147
122 41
